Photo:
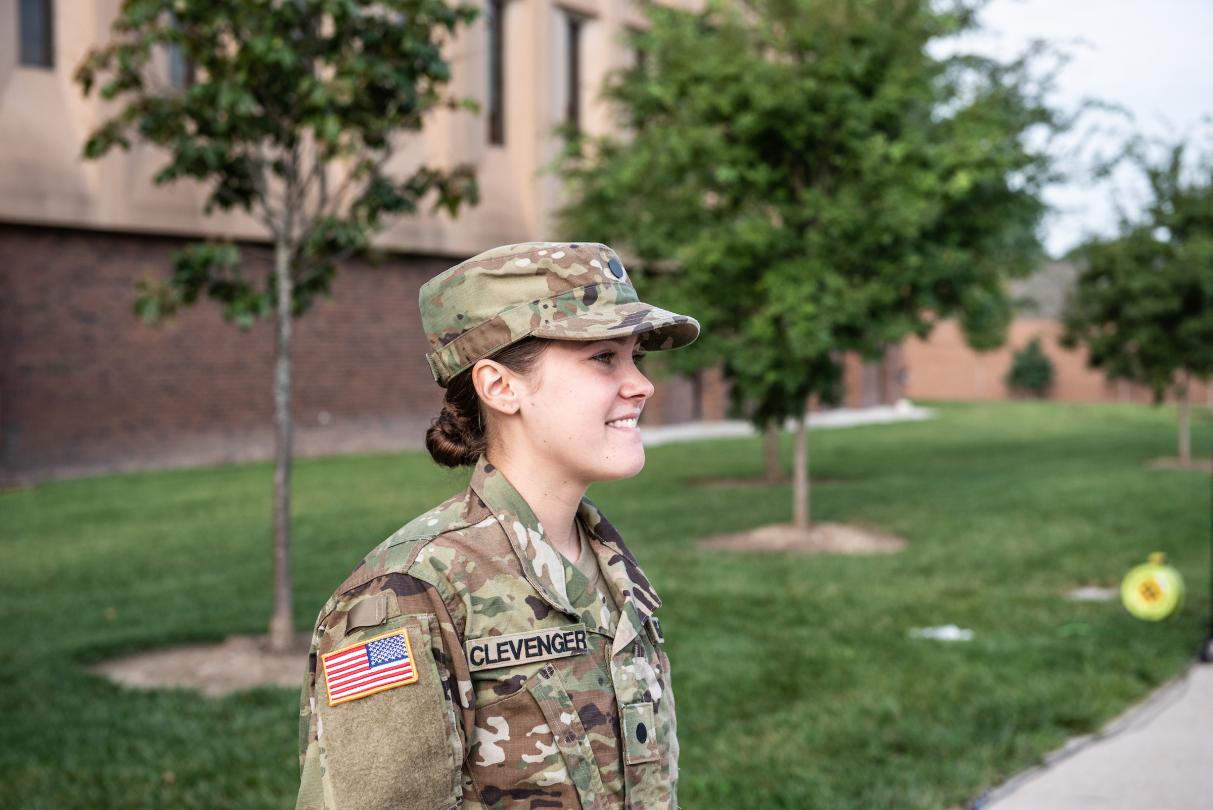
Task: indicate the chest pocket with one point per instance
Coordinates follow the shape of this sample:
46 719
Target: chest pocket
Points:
533 726
530 747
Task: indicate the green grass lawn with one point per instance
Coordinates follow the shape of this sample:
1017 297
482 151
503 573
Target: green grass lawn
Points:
797 683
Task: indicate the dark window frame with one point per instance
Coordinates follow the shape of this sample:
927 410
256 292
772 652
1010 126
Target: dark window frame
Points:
640 56
36 33
495 97
574 25
181 73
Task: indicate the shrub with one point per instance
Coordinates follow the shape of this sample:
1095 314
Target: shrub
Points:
1031 371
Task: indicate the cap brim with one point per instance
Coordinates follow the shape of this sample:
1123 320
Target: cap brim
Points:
659 329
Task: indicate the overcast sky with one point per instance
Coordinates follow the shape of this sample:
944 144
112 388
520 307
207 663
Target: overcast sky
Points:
1153 57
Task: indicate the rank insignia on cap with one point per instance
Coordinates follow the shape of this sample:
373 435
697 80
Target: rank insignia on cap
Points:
616 267
379 663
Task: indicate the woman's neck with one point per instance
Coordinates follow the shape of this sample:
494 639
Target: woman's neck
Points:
552 496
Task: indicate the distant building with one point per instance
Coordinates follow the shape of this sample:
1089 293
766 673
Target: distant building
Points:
85 387
944 367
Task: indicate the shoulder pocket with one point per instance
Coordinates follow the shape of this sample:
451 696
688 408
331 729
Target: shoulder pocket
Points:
386 732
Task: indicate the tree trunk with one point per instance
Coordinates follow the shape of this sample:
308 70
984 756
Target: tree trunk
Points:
770 452
282 623
800 472
1185 424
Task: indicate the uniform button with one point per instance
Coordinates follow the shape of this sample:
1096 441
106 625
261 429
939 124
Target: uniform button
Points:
642 733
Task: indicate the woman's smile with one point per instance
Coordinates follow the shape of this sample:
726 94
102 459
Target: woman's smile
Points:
628 423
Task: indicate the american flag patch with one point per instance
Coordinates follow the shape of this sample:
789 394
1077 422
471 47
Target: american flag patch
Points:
379 663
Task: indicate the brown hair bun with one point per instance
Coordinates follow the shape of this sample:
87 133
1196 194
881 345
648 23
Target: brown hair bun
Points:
457 436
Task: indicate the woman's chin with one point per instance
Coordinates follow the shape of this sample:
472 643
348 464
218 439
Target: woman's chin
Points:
621 466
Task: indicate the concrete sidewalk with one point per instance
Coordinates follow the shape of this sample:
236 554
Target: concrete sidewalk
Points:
820 420
1156 756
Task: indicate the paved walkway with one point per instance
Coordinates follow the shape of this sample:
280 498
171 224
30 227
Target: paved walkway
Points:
1157 756
820 420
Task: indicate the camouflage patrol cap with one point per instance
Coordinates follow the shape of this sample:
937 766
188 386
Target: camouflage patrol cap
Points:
563 291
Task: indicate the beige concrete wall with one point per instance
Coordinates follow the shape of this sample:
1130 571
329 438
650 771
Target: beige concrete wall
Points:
44 121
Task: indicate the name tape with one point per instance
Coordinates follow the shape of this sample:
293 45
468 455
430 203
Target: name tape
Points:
491 652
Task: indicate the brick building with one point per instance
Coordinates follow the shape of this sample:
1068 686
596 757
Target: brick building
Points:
944 367
85 387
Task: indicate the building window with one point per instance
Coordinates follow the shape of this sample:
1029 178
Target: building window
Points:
37 33
180 69
572 110
496 90
640 58
639 54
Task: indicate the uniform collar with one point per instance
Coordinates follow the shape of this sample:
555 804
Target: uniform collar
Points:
619 566
632 590
543 565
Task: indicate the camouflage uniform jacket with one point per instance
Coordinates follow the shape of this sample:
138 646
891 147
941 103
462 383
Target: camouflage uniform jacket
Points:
525 696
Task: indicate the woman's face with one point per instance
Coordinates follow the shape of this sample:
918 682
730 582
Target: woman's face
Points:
572 402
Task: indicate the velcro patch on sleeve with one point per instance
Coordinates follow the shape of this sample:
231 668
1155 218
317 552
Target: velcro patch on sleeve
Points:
491 652
370 666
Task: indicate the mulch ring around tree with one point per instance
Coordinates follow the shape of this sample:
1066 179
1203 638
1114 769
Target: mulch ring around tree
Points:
1195 464
236 664
820 538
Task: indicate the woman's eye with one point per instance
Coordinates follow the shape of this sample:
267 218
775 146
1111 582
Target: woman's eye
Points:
607 357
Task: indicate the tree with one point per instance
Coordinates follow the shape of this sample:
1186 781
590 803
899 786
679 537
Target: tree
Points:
809 178
1031 370
1143 302
290 110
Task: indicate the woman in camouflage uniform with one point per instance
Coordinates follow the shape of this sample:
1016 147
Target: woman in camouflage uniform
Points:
502 650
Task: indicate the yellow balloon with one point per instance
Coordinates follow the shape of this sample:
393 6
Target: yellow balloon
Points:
1152 591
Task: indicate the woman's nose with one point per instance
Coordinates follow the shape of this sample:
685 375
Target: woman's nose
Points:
637 385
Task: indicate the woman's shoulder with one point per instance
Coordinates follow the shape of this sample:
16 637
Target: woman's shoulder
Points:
422 549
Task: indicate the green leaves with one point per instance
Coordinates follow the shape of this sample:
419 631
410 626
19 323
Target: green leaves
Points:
211 269
811 180
1031 370
1143 302
294 109
985 317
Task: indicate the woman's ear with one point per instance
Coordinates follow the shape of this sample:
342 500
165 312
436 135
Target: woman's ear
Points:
496 386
